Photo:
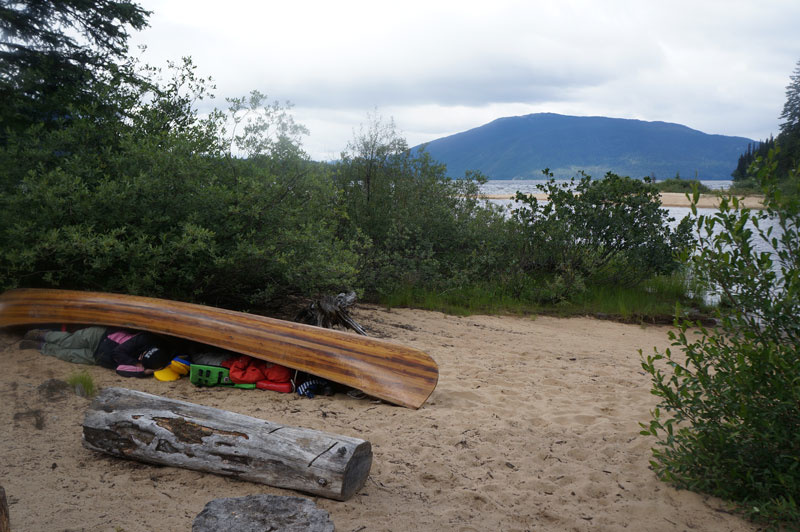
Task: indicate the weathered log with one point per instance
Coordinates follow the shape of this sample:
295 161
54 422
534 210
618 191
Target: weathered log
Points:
5 522
153 429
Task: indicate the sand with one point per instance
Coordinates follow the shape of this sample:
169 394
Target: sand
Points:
533 426
669 199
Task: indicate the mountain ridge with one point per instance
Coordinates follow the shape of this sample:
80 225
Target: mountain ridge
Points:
520 147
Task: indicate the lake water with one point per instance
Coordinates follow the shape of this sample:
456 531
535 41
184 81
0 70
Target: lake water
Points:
528 186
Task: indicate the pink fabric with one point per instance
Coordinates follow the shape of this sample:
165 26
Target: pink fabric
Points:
120 337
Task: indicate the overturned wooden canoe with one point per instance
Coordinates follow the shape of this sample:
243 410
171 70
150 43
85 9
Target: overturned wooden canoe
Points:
395 373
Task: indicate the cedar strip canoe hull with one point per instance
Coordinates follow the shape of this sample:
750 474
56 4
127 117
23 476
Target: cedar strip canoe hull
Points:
392 372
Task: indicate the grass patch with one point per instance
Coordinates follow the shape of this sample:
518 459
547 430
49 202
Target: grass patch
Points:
652 301
476 299
83 384
744 188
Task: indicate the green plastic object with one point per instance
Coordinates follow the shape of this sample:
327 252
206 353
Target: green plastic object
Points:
201 375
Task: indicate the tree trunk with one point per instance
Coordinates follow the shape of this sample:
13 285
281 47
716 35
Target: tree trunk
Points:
153 429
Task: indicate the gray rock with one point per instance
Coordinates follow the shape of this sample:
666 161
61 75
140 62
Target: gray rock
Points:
262 513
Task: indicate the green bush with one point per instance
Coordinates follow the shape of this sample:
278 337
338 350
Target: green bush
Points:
419 227
728 420
608 231
591 243
158 205
676 184
119 185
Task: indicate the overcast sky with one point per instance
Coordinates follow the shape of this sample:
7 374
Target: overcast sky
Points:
438 67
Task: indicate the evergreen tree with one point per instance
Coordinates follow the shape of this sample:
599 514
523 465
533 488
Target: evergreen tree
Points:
754 151
789 139
787 156
791 109
56 56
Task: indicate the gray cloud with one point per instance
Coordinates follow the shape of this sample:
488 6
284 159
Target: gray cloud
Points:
439 67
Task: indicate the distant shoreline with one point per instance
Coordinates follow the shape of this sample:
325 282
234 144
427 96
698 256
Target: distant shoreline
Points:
668 199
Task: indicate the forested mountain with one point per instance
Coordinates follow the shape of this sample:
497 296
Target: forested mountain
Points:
521 146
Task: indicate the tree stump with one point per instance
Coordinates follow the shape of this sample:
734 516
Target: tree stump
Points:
330 312
258 513
157 430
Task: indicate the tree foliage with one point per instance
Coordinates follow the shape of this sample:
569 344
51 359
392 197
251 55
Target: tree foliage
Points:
611 231
112 181
676 184
417 226
787 156
742 173
158 205
728 420
791 109
57 57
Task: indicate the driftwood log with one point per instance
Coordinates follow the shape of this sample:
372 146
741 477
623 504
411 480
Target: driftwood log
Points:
5 522
157 430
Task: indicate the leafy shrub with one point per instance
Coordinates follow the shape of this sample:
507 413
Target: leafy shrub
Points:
119 185
676 184
728 420
159 205
610 231
421 228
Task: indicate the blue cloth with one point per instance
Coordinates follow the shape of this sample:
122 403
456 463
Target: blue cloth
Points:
310 387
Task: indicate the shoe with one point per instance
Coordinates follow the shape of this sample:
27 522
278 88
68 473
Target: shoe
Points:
132 371
35 334
30 344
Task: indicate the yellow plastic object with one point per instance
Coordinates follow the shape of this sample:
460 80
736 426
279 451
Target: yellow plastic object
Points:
181 367
173 372
166 375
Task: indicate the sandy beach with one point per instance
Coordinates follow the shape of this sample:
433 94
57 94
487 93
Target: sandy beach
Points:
533 426
668 199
